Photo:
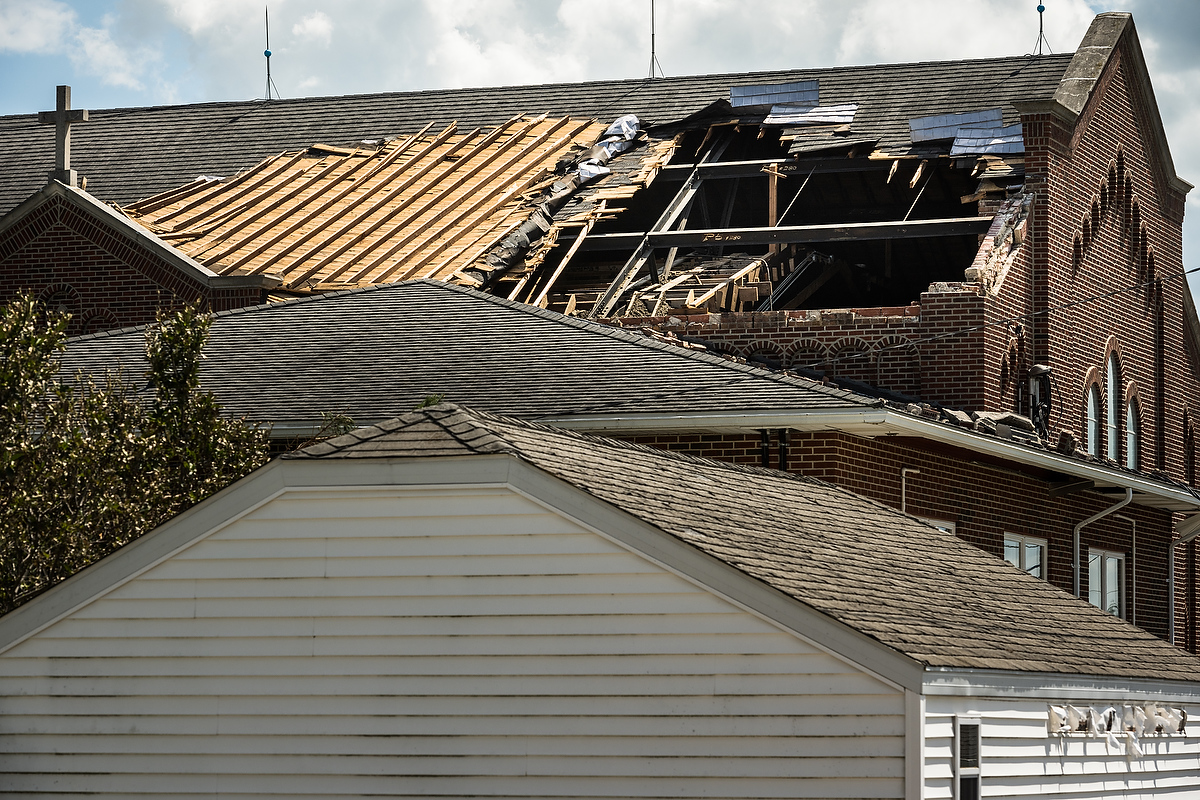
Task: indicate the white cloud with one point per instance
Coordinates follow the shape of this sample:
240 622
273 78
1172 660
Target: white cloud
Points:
42 28
317 28
95 52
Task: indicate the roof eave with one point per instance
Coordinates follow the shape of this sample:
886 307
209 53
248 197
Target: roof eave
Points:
142 237
876 422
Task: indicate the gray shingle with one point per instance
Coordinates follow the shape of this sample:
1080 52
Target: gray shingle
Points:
912 587
378 352
131 153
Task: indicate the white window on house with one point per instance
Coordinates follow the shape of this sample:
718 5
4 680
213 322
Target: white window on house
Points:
1133 435
1106 581
1113 381
966 758
1093 421
1027 553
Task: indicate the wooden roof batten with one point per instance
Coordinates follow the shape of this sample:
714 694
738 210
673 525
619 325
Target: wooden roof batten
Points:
344 216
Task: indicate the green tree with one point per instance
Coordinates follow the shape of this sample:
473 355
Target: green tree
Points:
87 466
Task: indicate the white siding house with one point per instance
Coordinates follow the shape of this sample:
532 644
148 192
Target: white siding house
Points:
482 608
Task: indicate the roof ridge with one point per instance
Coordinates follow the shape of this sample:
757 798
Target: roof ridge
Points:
753 74
623 335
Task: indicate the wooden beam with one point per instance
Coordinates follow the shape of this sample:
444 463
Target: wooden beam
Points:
798 234
566 259
785 166
347 222
298 221
431 204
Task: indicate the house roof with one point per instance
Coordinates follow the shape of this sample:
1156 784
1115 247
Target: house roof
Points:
376 352
416 206
916 589
131 153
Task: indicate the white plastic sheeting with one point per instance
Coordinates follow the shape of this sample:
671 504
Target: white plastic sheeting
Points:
1127 721
796 116
618 138
982 140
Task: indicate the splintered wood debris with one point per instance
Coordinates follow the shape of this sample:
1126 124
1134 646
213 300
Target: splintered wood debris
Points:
419 206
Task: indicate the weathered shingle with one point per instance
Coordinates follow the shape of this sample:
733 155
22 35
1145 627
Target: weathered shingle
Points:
912 587
131 153
378 352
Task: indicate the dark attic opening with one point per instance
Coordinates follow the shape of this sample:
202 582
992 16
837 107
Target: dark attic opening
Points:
773 201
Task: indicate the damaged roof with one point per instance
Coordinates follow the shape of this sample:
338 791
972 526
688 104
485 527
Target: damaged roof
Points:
130 154
415 207
916 589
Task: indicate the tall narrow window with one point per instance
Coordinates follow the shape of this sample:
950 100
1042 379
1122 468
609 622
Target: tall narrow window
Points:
1093 421
1113 432
1106 581
966 758
1133 434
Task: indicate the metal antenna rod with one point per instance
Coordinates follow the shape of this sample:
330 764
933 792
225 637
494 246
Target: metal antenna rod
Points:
270 83
653 58
1041 9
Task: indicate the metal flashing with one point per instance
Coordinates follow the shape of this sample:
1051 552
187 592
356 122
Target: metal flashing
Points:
946 126
801 93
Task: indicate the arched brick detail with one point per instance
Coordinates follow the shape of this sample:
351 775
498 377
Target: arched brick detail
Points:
853 358
100 319
764 349
807 354
898 365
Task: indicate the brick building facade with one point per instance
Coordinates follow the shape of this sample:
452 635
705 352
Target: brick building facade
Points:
1090 283
78 255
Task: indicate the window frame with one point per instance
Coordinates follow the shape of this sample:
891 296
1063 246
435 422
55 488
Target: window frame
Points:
1103 557
1133 434
1094 402
967 773
1112 379
1024 542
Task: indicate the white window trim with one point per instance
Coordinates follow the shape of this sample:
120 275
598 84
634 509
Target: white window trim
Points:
1022 541
961 772
1104 555
941 524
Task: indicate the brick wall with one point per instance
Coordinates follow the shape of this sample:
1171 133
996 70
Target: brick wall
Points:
101 275
984 501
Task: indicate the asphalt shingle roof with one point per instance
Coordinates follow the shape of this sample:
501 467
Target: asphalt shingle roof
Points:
914 588
376 352
131 153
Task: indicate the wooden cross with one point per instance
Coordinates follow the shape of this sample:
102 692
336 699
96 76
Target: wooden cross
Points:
62 117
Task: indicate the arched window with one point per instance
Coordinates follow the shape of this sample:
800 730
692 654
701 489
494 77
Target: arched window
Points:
1133 434
1093 420
1113 432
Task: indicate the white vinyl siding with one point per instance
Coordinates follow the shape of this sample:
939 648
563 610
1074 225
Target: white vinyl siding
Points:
435 642
1020 758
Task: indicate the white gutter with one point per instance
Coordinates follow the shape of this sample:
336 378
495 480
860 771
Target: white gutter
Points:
876 422
1099 515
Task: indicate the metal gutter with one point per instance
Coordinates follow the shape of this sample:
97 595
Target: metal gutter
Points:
1080 526
875 422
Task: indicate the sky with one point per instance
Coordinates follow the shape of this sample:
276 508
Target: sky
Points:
119 53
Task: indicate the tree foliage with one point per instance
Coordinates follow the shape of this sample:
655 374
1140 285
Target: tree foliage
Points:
86 466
